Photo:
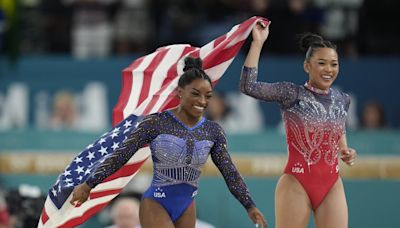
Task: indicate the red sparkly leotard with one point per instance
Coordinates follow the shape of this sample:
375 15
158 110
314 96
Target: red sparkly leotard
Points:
314 123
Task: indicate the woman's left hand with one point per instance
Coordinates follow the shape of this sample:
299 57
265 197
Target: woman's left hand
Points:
257 217
260 31
348 156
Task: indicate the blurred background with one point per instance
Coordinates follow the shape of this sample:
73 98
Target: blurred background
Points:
60 77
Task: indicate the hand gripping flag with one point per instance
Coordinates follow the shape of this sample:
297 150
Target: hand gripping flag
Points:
148 86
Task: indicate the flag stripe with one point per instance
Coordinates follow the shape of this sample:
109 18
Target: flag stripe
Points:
69 212
167 92
44 217
137 83
172 72
219 40
152 104
113 184
148 74
123 98
95 195
118 114
125 171
217 58
86 215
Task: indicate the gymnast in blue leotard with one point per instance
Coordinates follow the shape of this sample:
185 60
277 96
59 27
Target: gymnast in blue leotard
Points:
180 141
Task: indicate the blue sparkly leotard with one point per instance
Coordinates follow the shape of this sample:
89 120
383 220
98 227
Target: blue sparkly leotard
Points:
179 153
314 123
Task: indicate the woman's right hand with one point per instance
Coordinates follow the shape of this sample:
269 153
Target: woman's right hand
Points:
257 217
261 31
80 194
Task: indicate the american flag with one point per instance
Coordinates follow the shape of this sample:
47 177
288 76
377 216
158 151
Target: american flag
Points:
148 86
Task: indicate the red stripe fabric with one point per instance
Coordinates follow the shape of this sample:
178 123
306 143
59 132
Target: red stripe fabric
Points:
95 195
125 171
118 114
44 218
219 40
172 72
73 222
148 74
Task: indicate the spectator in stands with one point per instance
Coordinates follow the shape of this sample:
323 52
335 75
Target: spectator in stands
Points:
92 30
373 116
65 113
218 109
134 27
125 213
236 113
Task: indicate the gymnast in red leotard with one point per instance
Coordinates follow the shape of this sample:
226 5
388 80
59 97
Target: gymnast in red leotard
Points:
314 115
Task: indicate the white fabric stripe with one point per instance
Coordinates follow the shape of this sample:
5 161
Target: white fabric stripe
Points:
50 210
160 73
233 30
68 211
114 184
167 91
241 36
217 71
137 83
120 182
206 49
164 96
209 47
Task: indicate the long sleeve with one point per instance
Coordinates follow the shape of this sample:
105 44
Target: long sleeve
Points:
347 103
285 93
233 179
142 135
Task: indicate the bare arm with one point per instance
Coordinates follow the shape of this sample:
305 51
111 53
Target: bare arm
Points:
260 34
343 142
249 73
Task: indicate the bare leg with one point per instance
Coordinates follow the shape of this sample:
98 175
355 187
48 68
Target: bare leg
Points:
332 212
188 218
292 205
153 215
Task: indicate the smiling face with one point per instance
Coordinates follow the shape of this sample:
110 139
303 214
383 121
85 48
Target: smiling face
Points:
322 68
195 97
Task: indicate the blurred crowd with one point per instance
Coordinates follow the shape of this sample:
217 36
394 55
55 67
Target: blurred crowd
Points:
99 28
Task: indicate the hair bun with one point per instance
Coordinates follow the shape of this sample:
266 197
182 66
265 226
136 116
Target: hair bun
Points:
308 39
193 63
